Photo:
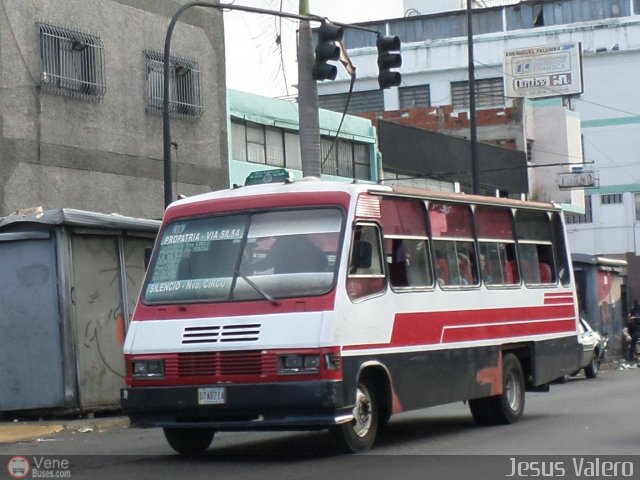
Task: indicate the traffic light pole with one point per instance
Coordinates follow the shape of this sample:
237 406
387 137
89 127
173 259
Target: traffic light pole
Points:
308 110
475 174
166 117
307 87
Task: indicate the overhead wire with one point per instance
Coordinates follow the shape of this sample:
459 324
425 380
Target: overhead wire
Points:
279 44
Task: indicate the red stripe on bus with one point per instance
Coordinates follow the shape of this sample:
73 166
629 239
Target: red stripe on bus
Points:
434 328
558 300
428 327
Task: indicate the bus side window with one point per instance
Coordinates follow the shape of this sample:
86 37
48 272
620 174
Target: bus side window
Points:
404 225
456 261
563 263
535 247
366 274
497 242
409 263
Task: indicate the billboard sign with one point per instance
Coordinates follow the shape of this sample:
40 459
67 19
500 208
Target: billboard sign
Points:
576 180
544 71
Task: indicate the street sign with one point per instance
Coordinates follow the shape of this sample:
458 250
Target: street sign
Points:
276 175
576 180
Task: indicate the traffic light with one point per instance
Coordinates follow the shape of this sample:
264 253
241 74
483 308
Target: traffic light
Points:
327 50
387 60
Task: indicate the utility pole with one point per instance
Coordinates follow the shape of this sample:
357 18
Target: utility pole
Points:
307 99
475 174
166 112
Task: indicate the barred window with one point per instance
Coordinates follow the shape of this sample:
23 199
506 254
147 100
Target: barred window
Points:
581 218
362 163
365 101
256 143
185 93
72 63
611 199
415 96
345 159
489 93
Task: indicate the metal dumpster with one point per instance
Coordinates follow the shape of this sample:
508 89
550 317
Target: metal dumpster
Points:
69 280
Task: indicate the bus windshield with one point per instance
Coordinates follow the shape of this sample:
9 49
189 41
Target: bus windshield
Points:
249 256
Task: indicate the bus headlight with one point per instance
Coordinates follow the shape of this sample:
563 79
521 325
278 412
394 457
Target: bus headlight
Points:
294 363
148 369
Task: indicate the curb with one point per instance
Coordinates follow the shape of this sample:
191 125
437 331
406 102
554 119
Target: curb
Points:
25 431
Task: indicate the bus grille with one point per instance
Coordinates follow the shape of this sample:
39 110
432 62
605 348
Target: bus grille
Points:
221 333
222 364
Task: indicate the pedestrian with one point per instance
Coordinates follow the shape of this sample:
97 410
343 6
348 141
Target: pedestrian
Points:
633 329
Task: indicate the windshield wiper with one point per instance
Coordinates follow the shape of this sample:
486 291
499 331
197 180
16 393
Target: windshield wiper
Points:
257 288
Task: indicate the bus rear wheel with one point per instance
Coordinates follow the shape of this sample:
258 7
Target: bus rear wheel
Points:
507 407
189 441
359 434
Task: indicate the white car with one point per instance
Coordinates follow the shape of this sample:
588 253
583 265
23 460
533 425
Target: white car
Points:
594 349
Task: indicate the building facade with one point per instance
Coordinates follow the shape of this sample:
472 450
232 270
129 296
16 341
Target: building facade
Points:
81 104
597 130
264 136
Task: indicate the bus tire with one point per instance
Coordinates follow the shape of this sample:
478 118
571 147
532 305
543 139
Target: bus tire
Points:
507 407
359 434
189 441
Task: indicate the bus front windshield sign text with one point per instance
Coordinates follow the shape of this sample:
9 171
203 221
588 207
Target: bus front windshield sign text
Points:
281 253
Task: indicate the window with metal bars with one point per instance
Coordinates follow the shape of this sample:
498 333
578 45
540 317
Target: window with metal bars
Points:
345 159
365 101
256 143
489 93
185 92
587 217
611 198
72 63
415 96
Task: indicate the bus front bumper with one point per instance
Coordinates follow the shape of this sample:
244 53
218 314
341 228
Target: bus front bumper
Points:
279 406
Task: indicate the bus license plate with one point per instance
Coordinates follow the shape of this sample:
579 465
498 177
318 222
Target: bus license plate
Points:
211 396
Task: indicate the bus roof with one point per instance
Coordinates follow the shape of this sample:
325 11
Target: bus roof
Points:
314 185
466 198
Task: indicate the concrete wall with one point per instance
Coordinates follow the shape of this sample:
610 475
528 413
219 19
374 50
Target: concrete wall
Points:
57 151
555 132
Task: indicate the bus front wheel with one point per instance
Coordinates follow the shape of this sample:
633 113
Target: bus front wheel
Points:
189 441
507 407
359 434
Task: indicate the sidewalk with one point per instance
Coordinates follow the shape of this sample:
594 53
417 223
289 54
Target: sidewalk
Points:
13 432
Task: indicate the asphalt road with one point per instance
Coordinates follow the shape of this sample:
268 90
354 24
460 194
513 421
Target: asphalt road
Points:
575 423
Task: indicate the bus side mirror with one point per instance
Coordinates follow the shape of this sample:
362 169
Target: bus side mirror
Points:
147 257
362 255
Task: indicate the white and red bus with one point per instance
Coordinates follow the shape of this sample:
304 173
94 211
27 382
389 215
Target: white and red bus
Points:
312 305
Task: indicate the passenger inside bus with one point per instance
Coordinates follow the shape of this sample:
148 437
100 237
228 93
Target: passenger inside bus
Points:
397 265
295 254
442 269
464 269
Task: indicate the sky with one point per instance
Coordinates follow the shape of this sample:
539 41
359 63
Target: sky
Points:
261 49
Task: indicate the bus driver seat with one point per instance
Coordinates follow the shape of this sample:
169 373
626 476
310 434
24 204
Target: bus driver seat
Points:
296 254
